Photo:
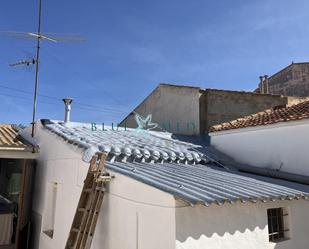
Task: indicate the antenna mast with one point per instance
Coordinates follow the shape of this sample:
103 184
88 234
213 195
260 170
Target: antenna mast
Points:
37 68
52 37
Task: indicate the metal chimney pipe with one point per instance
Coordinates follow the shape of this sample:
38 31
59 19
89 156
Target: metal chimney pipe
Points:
67 109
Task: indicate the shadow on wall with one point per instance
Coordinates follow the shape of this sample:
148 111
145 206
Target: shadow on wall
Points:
240 226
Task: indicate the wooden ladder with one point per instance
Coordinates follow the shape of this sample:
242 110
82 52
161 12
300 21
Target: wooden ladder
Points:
88 209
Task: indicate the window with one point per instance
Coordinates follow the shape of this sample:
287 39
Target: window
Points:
49 217
277 224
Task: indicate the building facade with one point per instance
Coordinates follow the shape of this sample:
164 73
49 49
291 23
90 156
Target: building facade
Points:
192 110
274 139
17 167
293 80
239 225
165 198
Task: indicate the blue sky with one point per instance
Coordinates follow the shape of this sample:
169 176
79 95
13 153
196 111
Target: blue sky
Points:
134 45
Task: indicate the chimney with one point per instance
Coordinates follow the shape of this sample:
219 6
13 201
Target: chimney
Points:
67 109
266 84
261 84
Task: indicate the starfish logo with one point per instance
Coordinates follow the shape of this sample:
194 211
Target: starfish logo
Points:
145 123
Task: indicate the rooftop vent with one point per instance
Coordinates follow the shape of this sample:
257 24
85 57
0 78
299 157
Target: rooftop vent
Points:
67 109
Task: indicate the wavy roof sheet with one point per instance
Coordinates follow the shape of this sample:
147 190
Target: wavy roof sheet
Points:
174 166
127 144
208 184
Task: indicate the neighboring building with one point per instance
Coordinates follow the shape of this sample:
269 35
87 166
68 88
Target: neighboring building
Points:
192 110
223 105
275 139
166 194
16 176
292 80
173 108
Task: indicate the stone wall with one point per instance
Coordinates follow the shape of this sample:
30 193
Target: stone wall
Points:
291 81
191 110
222 106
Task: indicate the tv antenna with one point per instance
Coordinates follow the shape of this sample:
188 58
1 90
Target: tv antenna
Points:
29 61
23 62
38 36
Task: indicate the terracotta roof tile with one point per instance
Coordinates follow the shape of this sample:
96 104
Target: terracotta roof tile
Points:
267 117
9 139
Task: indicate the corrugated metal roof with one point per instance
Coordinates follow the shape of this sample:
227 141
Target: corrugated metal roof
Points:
174 166
9 139
207 184
129 144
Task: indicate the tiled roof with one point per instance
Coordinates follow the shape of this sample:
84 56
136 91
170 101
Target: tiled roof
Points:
207 184
284 114
9 139
127 144
182 169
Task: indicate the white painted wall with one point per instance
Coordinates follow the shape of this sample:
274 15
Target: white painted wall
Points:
137 216
239 226
282 145
134 215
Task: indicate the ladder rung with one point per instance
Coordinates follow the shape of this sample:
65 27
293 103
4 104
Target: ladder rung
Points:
104 178
100 188
88 209
92 211
87 233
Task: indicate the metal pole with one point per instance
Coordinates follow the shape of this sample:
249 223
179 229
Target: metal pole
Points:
37 68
